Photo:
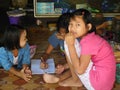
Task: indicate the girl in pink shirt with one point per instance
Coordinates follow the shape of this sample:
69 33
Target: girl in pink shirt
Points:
94 49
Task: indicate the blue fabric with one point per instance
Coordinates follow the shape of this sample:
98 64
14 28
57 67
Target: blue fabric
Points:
54 41
6 57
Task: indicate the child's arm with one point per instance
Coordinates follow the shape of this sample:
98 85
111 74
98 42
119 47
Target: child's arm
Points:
79 64
21 74
103 25
47 52
45 56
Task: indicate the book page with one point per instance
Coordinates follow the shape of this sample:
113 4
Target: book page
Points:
35 66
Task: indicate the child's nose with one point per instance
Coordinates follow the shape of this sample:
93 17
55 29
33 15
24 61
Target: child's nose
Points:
72 28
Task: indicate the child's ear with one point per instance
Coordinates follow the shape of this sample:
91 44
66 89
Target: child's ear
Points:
89 26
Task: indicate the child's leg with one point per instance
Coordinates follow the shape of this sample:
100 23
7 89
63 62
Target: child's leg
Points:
74 75
72 81
50 78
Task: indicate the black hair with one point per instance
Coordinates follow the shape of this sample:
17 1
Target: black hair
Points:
11 37
63 21
87 18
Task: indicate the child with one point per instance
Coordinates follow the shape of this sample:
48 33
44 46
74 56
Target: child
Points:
14 51
57 39
100 23
95 51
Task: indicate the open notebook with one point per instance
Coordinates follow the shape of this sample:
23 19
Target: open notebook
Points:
35 66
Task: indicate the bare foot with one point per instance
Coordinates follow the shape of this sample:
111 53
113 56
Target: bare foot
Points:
48 78
71 82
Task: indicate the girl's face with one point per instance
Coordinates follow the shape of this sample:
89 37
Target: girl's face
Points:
23 38
77 27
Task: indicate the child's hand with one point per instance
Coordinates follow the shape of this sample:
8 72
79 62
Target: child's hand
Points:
24 75
104 25
59 69
70 39
43 65
28 71
60 36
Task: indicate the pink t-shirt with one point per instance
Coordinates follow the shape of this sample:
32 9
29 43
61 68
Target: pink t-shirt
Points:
102 74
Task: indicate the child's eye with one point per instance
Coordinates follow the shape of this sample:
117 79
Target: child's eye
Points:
78 24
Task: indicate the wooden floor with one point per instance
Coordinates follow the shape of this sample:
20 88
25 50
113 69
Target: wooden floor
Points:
37 36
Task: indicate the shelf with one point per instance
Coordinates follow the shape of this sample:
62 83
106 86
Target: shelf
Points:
47 15
108 14
57 15
52 13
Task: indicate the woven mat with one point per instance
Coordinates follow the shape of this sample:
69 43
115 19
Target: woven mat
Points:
9 81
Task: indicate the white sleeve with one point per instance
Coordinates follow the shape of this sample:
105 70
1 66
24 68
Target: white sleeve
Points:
77 47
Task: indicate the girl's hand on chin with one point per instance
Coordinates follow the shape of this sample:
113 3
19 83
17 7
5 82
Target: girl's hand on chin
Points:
70 39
